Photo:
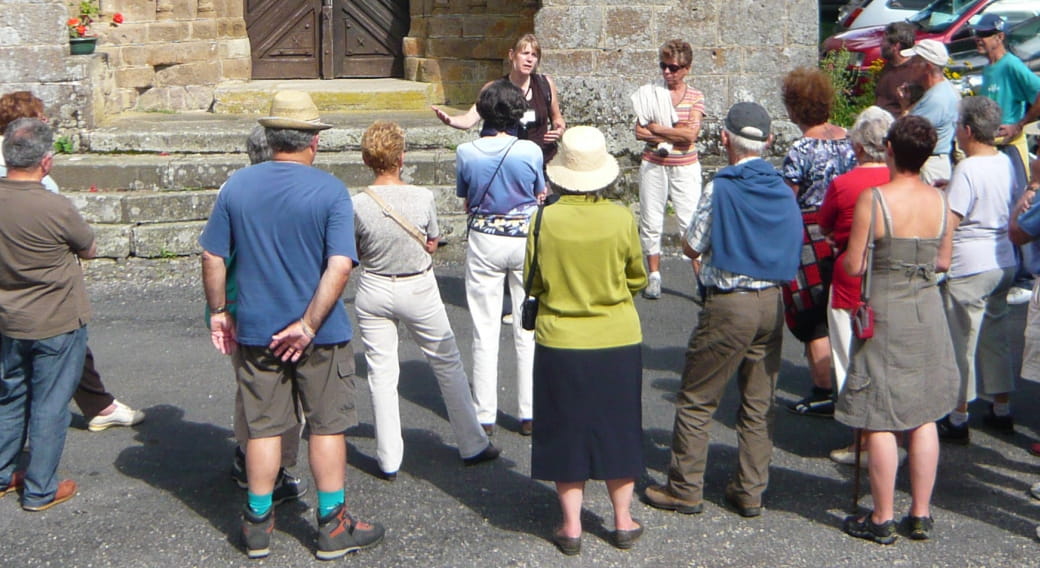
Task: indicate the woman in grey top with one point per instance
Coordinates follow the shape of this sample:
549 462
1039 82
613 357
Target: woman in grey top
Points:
398 285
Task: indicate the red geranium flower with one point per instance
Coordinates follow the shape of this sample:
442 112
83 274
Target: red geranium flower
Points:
117 18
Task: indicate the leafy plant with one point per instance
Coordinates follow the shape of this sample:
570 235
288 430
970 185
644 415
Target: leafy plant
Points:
63 145
853 91
88 11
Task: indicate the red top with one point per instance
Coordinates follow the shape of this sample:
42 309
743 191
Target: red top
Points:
835 217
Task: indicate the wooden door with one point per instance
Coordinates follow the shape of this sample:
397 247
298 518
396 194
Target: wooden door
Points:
285 38
367 37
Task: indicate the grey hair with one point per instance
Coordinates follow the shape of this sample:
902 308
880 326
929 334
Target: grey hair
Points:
590 195
870 130
982 115
745 146
27 141
288 139
257 147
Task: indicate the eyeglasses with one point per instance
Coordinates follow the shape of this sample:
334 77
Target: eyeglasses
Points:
671 67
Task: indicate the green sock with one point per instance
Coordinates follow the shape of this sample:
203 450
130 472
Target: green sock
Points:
328 501
259 504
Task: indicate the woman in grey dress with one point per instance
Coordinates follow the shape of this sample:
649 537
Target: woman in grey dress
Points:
903 378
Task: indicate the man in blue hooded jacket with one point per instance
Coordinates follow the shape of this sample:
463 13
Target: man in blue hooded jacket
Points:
746 234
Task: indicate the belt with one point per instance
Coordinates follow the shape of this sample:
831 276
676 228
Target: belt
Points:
716 291
404 275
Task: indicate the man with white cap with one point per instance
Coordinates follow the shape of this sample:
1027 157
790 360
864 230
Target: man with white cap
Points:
292 228
939 104
747 232
1008 81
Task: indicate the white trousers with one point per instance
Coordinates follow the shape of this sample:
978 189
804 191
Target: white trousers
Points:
936 169
383 302
977 314
656 184
489 260
839 326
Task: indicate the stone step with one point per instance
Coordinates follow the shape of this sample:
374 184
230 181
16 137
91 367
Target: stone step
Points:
211 133
179 172
339 95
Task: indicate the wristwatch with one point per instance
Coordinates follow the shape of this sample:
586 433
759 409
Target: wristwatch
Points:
220 310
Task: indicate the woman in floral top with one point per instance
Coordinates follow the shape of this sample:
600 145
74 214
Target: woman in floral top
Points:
821 154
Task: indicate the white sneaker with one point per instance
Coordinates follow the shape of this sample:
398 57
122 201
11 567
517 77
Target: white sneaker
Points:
847 456
123 415
1034 490
1018 295
653 287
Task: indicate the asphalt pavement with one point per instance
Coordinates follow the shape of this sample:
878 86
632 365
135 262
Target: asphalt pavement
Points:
160 494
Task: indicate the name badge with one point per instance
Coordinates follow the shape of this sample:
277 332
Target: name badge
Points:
529 117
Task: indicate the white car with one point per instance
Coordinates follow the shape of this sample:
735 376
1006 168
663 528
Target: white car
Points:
866 13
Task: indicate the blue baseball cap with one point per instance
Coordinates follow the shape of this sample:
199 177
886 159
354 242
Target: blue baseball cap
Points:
989 24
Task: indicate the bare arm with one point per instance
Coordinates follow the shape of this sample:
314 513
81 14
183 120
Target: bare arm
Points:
945 254
289 343
463 121
861 232
214 282
681 133
556 122
692 254
431 244
643 134
1011 131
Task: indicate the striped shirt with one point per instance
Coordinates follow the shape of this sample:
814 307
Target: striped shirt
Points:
681 154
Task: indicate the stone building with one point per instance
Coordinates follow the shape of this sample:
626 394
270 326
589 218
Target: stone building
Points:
170 55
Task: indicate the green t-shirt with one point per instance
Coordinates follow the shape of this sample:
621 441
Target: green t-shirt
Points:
1012 85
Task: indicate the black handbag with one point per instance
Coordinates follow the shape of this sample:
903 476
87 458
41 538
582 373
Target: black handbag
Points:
529 309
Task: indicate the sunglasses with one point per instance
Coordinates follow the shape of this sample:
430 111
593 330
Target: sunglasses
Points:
671 67
981 35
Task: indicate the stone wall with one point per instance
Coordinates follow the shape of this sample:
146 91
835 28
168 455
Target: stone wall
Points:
170 54
461 44
599 51
35 48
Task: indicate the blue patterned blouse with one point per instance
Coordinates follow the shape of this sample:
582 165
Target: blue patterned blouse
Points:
812 163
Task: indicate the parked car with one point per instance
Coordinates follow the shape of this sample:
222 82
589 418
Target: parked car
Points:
945 20
866 13
1023 40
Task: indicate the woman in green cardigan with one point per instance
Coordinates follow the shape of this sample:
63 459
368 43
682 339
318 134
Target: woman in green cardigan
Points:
587 362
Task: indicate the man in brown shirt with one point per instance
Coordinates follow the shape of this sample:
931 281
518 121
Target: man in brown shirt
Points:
43 316
895 74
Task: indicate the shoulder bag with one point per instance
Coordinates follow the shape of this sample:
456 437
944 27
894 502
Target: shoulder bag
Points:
863 315
529 309
389 211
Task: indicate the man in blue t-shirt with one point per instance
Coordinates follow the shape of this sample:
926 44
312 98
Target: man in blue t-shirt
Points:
291 227
1008 81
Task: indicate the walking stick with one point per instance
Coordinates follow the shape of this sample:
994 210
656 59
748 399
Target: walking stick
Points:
855 479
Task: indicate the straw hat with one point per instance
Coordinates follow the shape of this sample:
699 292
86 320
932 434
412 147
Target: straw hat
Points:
583 163
294 110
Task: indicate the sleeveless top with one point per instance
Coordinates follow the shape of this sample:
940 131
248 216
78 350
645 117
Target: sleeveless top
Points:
534 127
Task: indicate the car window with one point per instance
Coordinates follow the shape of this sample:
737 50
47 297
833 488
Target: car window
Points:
1024 39
1014 11
941 14
908 4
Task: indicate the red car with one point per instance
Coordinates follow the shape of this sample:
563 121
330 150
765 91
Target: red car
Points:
944 20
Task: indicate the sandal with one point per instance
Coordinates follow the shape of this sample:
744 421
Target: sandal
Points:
865 528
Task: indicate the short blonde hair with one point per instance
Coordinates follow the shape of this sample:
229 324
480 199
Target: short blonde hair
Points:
528 40
382 146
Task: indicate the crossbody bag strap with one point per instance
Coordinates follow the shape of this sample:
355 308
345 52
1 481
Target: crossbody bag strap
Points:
388 210
868 251
534 255
487 186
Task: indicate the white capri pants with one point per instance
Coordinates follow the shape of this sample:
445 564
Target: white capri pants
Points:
656 184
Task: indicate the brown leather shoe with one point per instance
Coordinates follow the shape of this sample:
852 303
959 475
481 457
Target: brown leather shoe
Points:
745 509
66 491
526 427
15 484
660 496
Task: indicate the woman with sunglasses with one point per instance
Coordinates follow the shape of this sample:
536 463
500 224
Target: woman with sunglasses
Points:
543 122
670 167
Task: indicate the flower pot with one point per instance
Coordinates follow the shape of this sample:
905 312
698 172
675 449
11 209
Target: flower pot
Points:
82 45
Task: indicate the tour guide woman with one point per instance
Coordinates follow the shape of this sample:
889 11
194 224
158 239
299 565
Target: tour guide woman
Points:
587 264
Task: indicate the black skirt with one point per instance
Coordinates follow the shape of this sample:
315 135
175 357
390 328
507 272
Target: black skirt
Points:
588 413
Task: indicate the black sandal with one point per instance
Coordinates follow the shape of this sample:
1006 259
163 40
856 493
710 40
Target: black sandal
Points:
865 528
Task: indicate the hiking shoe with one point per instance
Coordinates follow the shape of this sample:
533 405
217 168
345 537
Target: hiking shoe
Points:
1000 424
339 533
953 434
660 497
653 288
885 533
918 528
489 453
286 486
123 415
16 482
256 532
66 490
819 403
